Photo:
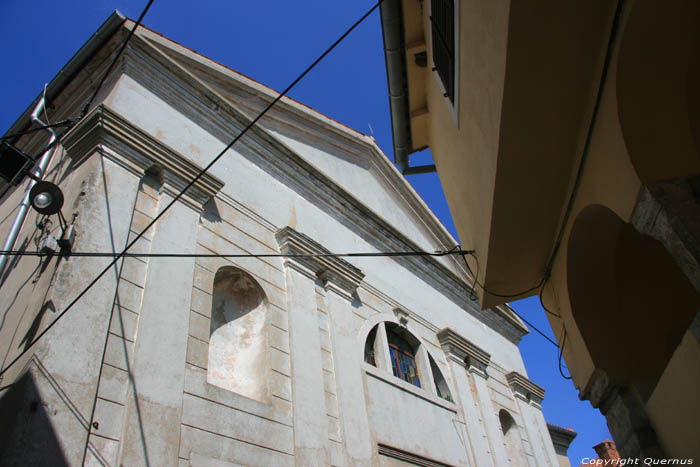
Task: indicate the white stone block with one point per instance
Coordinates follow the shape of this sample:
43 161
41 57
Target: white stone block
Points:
200 327
124 323
113 384
108 417
236 424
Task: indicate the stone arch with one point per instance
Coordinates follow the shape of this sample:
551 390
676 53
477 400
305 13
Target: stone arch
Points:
511 437
238 357
657 89
629 299
371 324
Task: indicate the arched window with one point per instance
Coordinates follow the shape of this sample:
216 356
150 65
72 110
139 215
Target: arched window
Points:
238 340
394 349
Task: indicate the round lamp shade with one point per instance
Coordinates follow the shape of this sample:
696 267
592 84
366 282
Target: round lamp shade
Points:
46 198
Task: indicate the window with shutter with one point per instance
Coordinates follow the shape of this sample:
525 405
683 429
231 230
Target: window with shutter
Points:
443 38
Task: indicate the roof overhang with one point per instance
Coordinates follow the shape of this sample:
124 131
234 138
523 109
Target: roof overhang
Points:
553 55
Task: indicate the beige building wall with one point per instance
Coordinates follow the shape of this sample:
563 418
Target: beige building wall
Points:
573 143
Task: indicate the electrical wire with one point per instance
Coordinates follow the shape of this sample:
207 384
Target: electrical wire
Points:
542 302
536 329
114 61
483 287
541 285
71 122
79 254
192 182
66 122
589 134
561 353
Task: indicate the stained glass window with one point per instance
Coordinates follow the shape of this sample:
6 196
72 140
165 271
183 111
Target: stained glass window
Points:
403 361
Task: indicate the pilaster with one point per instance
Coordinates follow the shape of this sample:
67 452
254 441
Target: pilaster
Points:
489 450
341 279
529 397
155 401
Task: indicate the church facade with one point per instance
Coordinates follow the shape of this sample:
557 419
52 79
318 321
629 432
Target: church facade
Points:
209 359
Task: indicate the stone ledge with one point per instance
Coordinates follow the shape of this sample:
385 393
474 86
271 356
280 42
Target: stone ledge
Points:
408 387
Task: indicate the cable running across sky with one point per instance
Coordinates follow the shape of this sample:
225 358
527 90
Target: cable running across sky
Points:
193 181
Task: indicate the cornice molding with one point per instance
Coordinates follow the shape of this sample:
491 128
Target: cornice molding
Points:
464 352
338 274
106 131
525 389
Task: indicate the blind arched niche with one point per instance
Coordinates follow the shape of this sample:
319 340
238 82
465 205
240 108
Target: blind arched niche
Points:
238 341
511 437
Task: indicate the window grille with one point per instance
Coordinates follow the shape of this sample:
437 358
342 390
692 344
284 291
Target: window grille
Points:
443 36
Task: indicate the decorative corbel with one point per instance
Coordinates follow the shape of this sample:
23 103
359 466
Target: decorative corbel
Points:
401 316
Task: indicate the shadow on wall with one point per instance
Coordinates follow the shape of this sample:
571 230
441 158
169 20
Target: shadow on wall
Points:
26 434
631 301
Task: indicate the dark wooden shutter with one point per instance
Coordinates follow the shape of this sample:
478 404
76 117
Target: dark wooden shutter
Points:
443 32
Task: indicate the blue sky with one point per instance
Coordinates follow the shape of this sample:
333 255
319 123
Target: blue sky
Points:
272 42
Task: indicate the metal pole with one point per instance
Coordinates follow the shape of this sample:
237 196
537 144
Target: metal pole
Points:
24 206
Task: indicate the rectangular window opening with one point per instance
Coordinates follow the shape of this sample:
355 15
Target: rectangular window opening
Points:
443 38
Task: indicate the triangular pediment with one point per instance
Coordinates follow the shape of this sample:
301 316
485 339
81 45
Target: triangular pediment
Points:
348 158
196 106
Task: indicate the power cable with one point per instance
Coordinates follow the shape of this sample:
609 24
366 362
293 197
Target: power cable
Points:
67 122
192 182
589 134
483 287
542 302
226 255
72 121
561 353
536 329
541 284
